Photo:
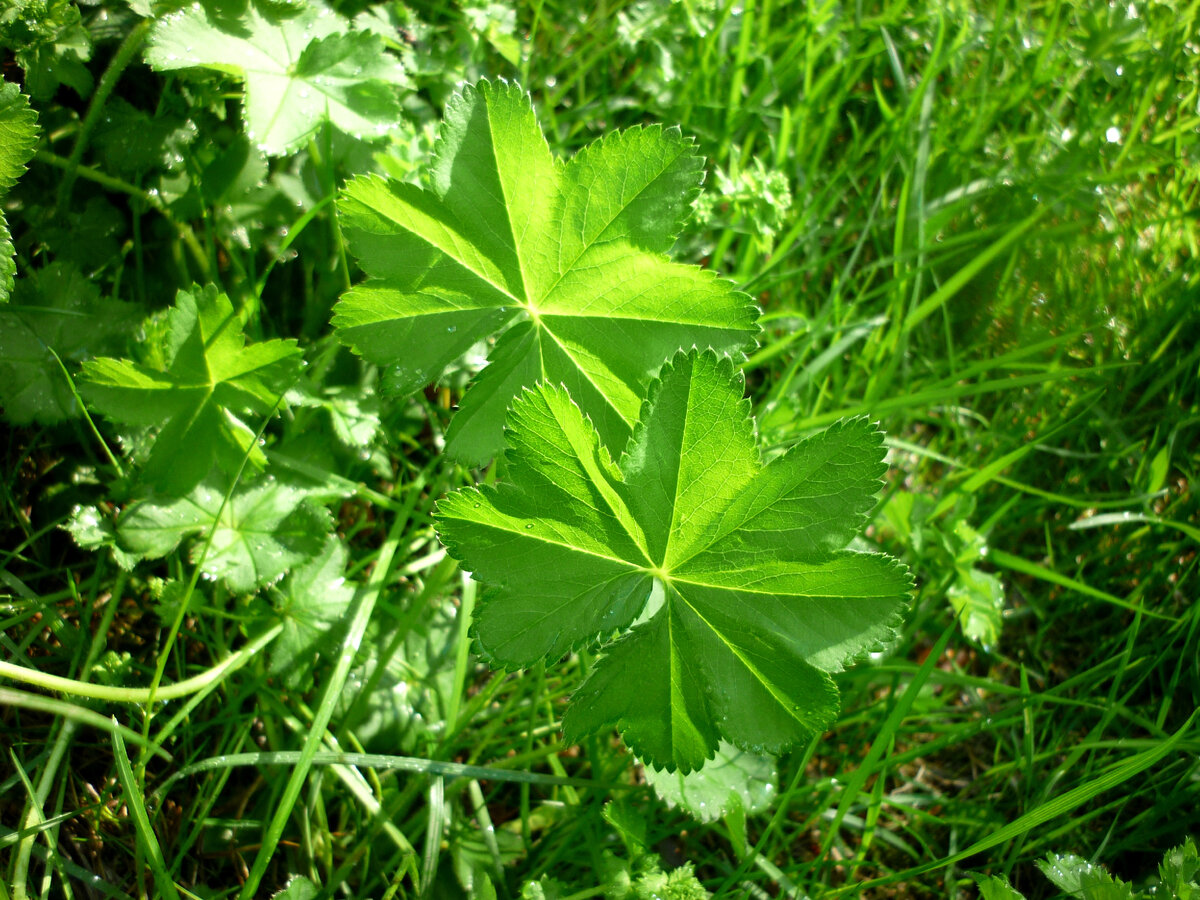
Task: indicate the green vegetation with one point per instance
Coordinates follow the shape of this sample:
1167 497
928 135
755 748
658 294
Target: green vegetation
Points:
236 657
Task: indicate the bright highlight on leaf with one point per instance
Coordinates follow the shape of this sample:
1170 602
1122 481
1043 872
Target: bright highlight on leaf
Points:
754 599
208 377
567 256
298 71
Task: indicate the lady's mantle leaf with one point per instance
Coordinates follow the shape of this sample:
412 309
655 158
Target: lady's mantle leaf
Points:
733 778
18 135
298 71
758 600
260 534
209 373
567 256
311 602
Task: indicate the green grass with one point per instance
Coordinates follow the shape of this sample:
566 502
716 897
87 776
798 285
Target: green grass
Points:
969 255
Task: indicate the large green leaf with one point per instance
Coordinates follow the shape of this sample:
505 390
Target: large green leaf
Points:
298 71
18 135
567 256
209 374
754 598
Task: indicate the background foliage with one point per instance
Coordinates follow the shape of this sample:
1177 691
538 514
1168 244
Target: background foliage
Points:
973 222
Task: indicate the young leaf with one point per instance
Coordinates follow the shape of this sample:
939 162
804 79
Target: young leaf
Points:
298 888
977 598
757 599
93 530
567 256
996 887
1082 879
353 409
298 71
263 531
18 135
209 374
1179 871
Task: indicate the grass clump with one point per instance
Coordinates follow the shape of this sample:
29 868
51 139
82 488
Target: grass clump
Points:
972 222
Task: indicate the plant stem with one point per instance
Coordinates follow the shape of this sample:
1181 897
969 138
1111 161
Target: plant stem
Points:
62 740
108 182
141 695
129 47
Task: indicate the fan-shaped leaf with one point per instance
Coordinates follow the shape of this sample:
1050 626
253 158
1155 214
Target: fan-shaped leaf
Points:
568 256
757 599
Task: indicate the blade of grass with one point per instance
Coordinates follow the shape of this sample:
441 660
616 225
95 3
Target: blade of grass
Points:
885 737
66 730
919 399
383 761
78 713
367 598
1127 518
1025 567
141 821
978 263
205 679
34 817
435 825
1052 809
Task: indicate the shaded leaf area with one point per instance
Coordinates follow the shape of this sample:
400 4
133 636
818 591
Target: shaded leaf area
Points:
131 142
311 601
731 779
56 311
204 376
252 540
299 71
637 875
621 882
758 600
565 258
353 412
399 693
